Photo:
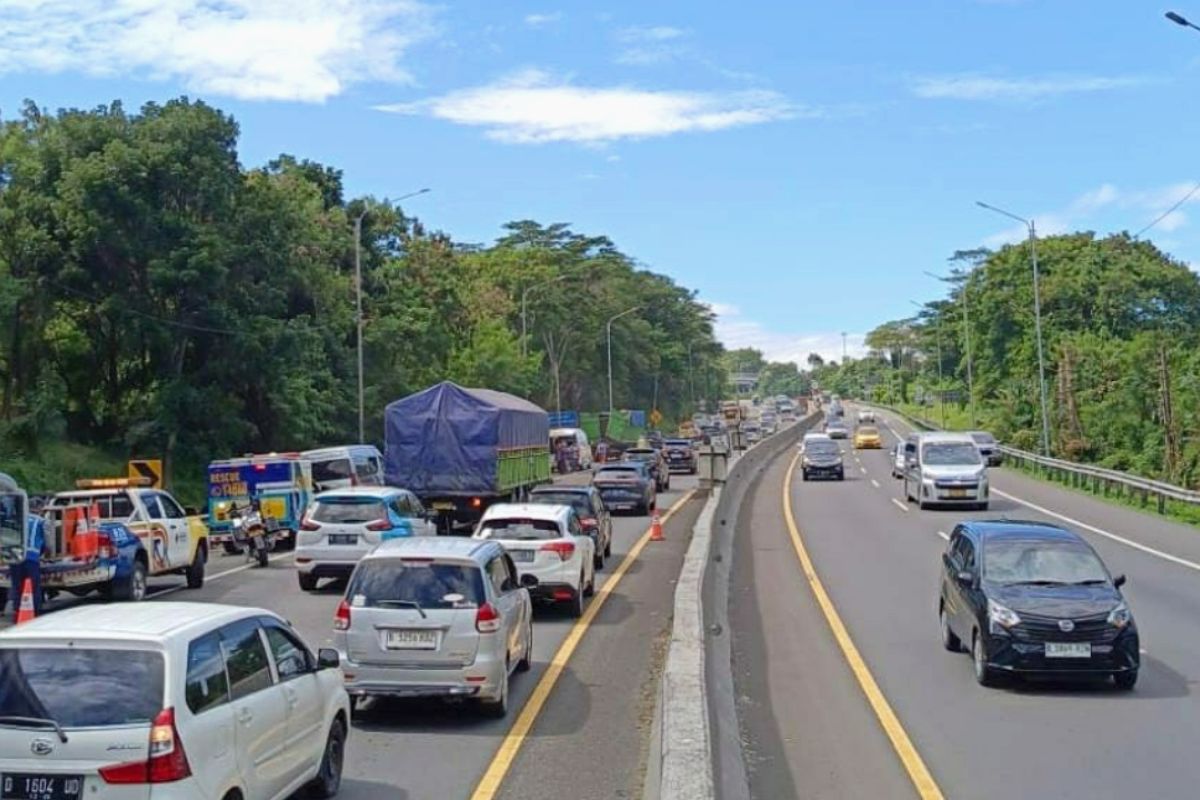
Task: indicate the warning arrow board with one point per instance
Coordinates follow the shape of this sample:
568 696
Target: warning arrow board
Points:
150 469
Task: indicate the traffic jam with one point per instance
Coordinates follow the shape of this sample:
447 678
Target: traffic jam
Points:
436 555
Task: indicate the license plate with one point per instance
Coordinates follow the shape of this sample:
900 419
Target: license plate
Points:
343 538
443 505
26 786
1068 650
522 556
958 492
412 640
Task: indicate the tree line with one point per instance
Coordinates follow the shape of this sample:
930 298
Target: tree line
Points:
158 297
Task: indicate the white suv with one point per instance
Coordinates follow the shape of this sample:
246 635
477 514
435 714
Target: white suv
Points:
168 701
549 543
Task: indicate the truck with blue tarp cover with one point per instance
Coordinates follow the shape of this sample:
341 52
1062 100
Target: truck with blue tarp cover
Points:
461 450
281 485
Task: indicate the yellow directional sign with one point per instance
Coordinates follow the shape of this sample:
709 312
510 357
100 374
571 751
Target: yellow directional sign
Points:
150 469
656 418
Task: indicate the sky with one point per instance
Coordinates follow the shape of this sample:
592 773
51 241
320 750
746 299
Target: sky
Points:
801 165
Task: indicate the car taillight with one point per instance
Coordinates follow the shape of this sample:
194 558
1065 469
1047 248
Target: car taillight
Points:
307 524
588 522
487 619
379 525
104 546
167 762
564 549
341 617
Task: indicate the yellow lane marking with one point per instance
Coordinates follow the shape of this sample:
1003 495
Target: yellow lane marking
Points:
489 784
900 505
918 773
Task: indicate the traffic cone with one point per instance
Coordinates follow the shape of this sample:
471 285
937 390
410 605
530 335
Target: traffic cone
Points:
25 612
656 531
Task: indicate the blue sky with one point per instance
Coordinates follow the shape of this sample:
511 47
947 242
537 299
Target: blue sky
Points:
800 164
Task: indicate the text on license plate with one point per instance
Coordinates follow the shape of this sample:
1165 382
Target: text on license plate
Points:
412 640
522 556
1068 650
24 786
343 538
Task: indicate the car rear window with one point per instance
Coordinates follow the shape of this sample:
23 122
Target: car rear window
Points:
336 469
519 529
618 472
348 510
576 500
81 687
385 583
678 443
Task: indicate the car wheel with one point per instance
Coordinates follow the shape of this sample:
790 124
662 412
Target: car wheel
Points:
591 587
982 506
1125 681
576 607
803 475
949 640
841 474
195 571
329 775
598 560
984 675
308 582
608 547
497 709
132 588
527 659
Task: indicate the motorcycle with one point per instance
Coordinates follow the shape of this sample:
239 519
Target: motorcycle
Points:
252 532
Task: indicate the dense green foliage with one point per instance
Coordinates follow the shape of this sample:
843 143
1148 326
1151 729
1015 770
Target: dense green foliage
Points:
158 298
1121 330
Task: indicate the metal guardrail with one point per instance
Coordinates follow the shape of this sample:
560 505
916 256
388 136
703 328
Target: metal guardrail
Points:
1098 480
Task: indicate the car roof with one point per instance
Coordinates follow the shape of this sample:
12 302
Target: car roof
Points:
360 491
150 622
339 451
433 547
550 513
990 529
946 437
573 488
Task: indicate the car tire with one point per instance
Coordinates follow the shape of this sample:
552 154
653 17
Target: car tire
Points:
1125 681
308 582
526 661
497 709
841 475
803 475
984 675
195 570
949 640
982 507
598 560
131 589
608 547
329 774
576 607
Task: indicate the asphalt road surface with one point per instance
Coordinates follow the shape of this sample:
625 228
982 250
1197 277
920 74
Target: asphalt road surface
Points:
591 736
806 721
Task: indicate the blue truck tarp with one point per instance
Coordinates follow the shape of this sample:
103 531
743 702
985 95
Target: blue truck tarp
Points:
445 440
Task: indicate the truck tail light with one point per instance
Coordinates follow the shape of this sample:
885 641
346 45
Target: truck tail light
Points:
166 763
564 549
341 617
487 619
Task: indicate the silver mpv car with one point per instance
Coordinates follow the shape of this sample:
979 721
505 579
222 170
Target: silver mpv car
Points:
444 617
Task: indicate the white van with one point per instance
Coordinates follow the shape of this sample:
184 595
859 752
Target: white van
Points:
340 467
579 450
944 468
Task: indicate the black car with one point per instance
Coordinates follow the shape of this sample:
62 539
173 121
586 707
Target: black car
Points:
681 455
1027 598
822 459
627 486
654 461
589 507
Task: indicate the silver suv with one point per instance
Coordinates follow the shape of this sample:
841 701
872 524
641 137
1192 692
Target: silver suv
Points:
427 617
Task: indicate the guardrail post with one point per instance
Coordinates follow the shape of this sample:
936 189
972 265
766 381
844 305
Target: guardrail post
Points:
1162 503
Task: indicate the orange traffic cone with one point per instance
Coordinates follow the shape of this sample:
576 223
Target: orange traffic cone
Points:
656 531
25 611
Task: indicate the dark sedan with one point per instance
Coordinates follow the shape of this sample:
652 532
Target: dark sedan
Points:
627 486
681 455
654 461
822 459
589 507
1027 598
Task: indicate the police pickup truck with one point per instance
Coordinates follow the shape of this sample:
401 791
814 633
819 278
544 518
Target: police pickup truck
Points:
111 534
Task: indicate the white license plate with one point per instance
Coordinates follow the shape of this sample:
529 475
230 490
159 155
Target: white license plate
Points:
343 538
1068 650
443 505
522 556
958 492
412 640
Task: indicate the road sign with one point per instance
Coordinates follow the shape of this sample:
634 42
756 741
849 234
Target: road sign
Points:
656 418
151 469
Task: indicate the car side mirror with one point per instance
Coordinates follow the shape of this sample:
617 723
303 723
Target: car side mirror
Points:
1119 581
965 578
328 658
529 581
191 511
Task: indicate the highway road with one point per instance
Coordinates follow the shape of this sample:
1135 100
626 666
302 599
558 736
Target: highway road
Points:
591 735
809 728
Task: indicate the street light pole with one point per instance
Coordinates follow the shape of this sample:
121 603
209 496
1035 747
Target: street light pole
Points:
1037 319
358 313
1178 20
937 336
525 309
692 376
608 336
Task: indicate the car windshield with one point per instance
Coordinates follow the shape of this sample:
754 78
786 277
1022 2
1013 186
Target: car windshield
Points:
868 431
822 448
519 529
641 455
945 454
619 472
81 687
579 501
348 510
1017 561
383 583
983 438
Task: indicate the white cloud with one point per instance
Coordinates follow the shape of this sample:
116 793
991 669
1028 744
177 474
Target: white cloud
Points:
655 33
982 87
305 50
532 108
734 331
648 45
541 20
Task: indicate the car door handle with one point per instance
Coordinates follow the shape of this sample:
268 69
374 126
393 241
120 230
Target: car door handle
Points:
292 698
245 716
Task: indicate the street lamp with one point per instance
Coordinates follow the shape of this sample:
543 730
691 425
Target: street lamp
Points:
937 335
358 315
1037 318
525 307
1178 20
608 336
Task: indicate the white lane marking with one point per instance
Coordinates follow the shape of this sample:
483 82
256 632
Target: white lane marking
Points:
216 577
944 535
875 483
900 505
864 470
1183 562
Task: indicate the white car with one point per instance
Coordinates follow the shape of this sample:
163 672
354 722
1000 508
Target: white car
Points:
866 415
898 460
179 701
549 543
343 525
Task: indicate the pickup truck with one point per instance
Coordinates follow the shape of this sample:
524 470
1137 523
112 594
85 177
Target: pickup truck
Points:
112 534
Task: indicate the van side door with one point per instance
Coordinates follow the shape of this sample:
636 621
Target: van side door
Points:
260 710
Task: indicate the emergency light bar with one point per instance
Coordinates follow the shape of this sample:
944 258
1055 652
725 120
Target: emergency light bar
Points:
111 483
